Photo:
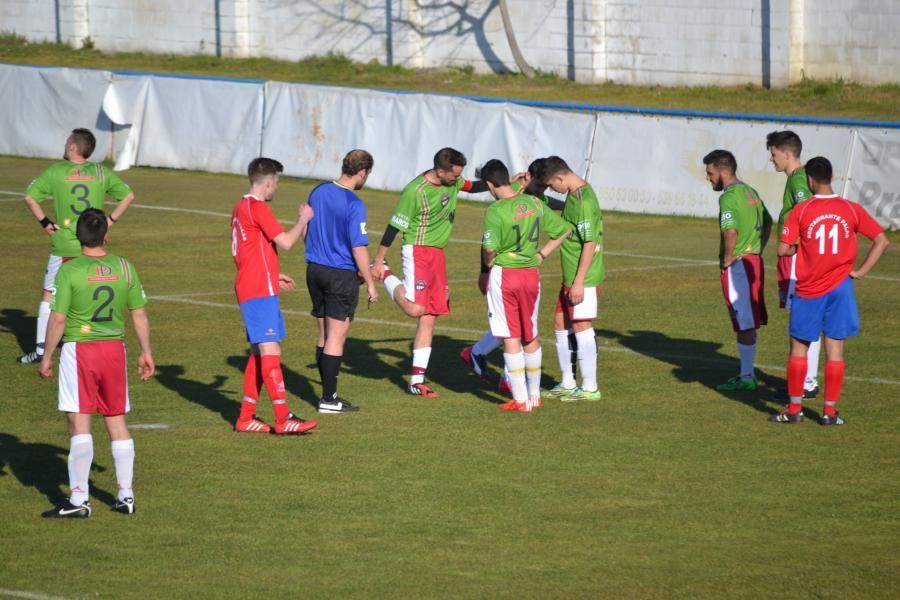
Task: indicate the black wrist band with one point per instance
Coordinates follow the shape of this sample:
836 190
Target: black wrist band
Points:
45 221
485 268
111 219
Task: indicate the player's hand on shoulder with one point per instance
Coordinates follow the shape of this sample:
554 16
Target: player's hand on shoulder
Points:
146 366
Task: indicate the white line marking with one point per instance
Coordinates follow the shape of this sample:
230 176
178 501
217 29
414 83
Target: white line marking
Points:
28 595
544 340
147 426
8 193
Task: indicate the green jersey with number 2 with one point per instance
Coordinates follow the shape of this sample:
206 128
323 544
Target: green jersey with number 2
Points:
74 189
93 293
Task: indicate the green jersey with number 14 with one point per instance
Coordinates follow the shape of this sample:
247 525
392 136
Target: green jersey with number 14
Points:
513 226
74 189
93 293
582 211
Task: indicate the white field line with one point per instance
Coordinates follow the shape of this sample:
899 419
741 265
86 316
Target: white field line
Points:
148 426
478 332
28 595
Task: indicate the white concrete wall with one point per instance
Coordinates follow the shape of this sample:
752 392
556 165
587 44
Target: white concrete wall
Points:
653 42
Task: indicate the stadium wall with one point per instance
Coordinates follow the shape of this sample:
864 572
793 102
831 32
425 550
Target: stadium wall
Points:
637 161
652 42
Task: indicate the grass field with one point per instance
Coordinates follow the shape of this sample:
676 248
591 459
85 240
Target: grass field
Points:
665 488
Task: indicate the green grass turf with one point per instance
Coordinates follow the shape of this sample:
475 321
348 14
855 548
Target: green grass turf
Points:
810 97
665 488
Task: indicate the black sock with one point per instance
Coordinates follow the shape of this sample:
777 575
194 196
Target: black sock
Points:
331 365
573 353
319 351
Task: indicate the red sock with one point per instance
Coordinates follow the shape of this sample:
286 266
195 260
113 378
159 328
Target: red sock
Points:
796 374
274 380
834 381
252 385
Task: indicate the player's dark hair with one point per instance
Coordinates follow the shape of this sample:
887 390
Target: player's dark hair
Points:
84 140
786 141
262 167
91 228
819 169
721 159
447 158
356 161
538 171
553 166
494 172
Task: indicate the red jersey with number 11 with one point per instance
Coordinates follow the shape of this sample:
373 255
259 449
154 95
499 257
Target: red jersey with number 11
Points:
826 228
253 227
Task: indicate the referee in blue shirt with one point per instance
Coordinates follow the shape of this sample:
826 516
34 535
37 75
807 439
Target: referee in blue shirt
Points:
337 258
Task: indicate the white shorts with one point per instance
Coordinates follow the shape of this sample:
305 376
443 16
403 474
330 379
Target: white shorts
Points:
53 265
586 310
93 378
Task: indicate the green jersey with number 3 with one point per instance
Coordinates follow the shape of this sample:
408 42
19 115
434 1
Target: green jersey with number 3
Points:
741 209
74 189
582 211
513 226
426 211
93 293
796 190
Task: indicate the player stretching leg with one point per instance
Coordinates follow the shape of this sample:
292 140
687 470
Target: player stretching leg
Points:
512 231
822 233
425 216
784 152
745 225
75 184
88 313
583 272
256 236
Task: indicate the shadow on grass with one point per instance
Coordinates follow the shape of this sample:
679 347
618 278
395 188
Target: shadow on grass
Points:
17 323
295 384
44 468
696 361
203 393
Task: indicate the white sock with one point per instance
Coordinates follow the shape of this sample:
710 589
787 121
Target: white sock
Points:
748 359
487 344
533 373
812 364
81 455
587 359
564 354
123 457
420 364
390 284
42 320
515 363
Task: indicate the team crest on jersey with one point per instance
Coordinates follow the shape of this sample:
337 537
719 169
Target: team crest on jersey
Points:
522 212
79 174
445 199
103 273
420 285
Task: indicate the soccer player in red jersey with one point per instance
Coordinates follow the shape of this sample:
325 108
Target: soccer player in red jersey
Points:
424 215
256 236
822 233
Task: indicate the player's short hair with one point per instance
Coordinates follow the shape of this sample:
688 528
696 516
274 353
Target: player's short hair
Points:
84 140
786 141
721 159
819 169
538 171
553 166
356 161
494 172
91 228
262 167
447 158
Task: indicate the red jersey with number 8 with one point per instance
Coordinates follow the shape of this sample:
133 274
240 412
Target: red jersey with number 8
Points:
826 229
253 227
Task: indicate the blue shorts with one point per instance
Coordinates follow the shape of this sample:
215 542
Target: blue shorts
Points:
835 313
263 320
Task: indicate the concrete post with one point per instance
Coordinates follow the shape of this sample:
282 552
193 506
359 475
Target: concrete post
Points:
598 41
796 17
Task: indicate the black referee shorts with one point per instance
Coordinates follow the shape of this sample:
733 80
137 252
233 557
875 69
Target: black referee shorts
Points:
334 292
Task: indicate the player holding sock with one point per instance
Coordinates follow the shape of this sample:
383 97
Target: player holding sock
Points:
822 233
512 231
745 226
425 216
256 236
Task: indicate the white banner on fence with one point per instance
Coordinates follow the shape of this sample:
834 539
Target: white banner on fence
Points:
874 176
655 164
187 123
41 106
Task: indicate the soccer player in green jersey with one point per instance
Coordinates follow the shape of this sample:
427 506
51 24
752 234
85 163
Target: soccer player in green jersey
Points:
88 315
512 232
583 272
745 225
784 152
424 215
75 184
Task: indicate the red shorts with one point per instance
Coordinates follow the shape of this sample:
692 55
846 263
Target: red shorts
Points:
743 288
513 298
787 280
425 278
93 378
